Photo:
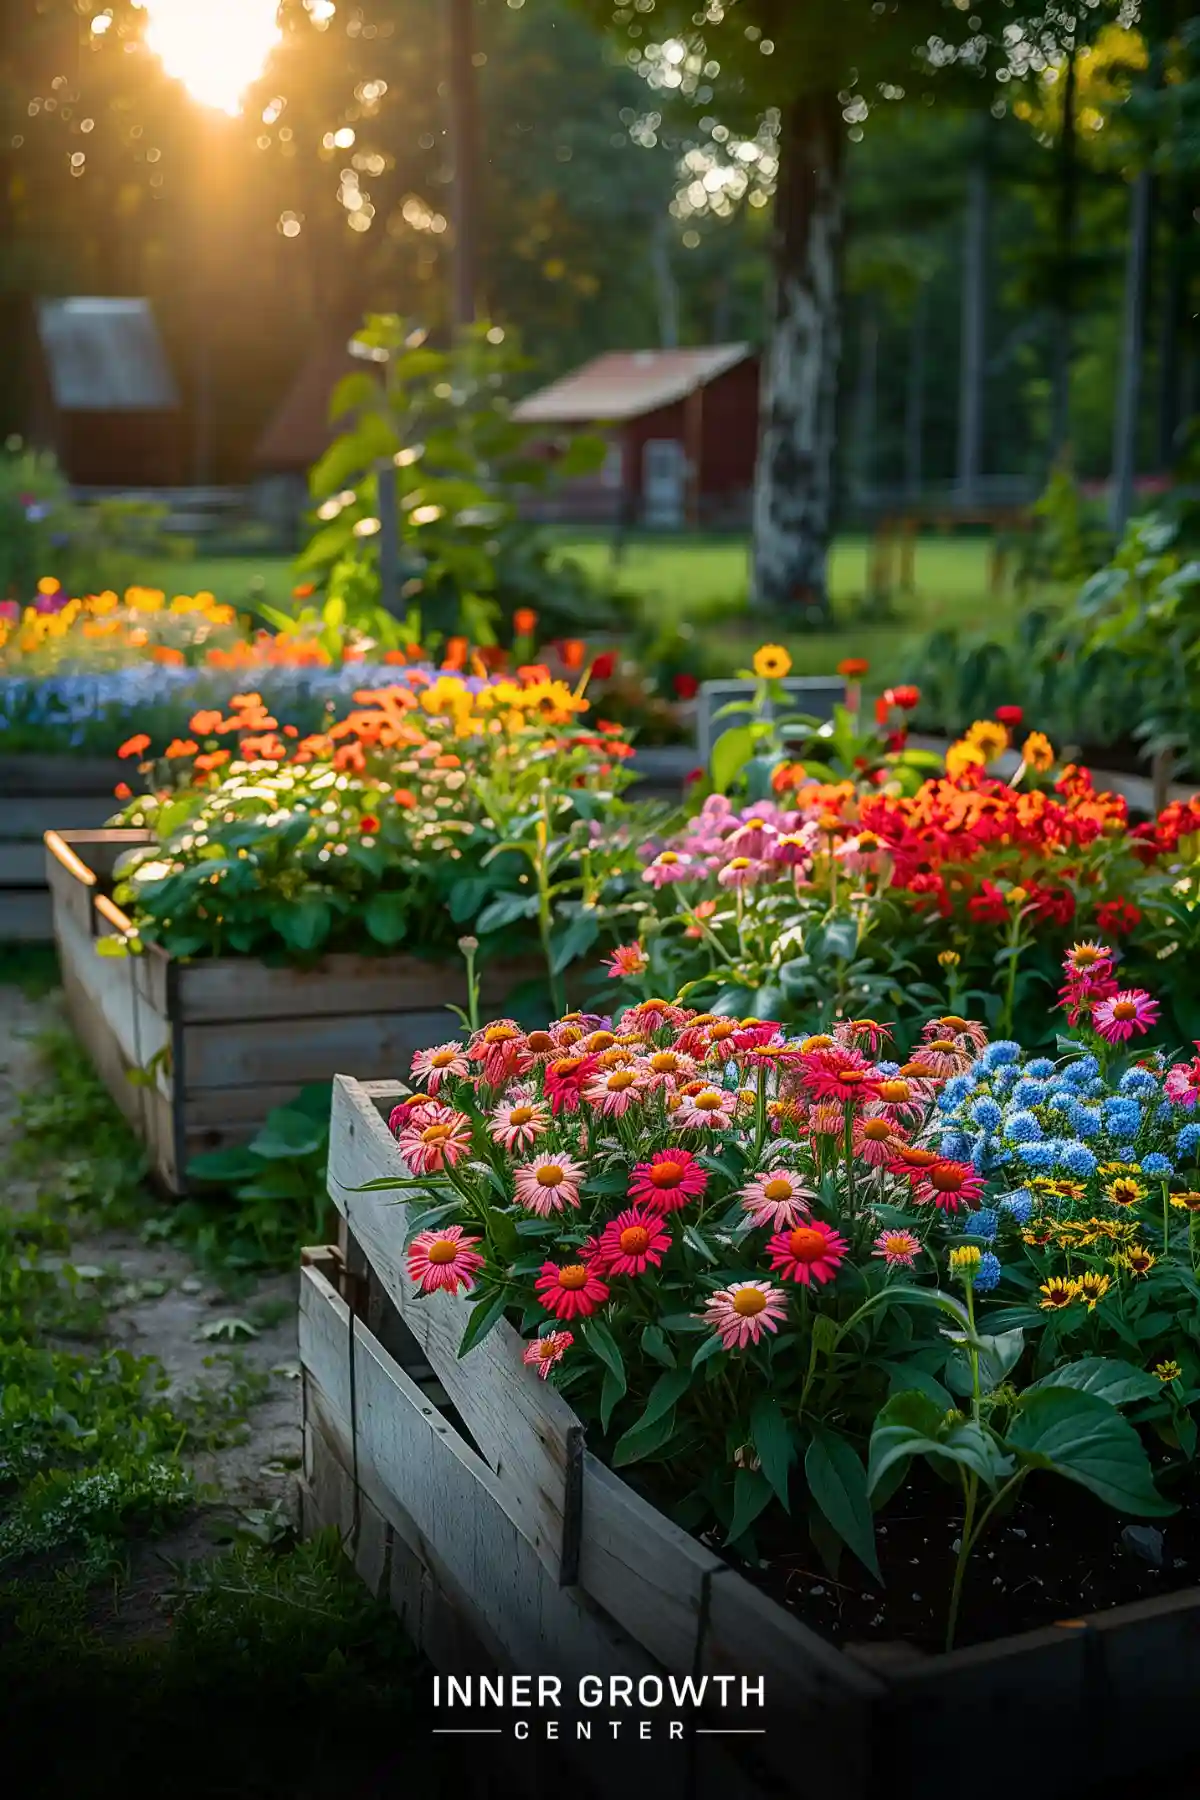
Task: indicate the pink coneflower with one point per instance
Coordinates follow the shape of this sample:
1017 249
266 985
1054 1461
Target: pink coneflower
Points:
950 1024
810 1252
826 1119
541 1048
666 1068
572 1291
863 1031
669 866
711 1108
751 838
437 1144
501 1049
902 1097
1088 958
649 1016
863 854
412 1111
792 849
740 872
432 1067
517 1122
1123 1015
740 1313
635 1240
897 1248
952 1186
566 1077
1182 1085
876 1138
1080 994
444 1259
668 1181
544 1352
777 1198
627 960
840 1074
945 1055
613 1091
547 1186
753 1034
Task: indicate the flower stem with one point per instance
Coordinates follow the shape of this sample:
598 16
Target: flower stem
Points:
848 1145
960 1565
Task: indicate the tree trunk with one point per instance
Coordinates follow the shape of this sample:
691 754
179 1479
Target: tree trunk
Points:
464 146
866 402
1170 363
914 398
1133 329
794 479
973 355
1066 211
665 285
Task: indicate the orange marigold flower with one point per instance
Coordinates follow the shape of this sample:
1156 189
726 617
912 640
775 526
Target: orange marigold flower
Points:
290 731
167 656
123 791
368 824
205 722
349 757
525 621
1038 752
853 668
210 760
404 797
303 592
180 747
573 653
135 745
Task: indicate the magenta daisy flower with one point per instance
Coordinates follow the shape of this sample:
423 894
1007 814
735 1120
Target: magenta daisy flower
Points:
444 1259
634 1241
842 1073
437 1144
667 1068
791 849
810 1252
546 1187
572 1291
668 1181
777 1198
431 1067
752 838
740 1313
517 1122
627 960
897 1248
1130 1013
544 1352
952 1186
565 1079
613 1091
669 866
502 1050
740 872
710 1108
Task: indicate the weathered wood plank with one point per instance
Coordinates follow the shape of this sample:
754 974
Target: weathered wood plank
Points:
29 818
26 917
524 1429
22 864
273 1051
63 775
71 882
239 988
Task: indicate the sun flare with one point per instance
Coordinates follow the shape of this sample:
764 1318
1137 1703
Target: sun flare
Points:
215 47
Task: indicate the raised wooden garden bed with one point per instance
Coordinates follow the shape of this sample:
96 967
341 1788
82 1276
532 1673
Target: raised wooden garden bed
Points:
225 1040
466 1494
40 794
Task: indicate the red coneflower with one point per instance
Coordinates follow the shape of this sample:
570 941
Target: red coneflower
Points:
810 1252
635 1240
952 1186
572 1291
502 1050
544 1352
444 1259
566 1077
913 1160
668 1181
839 1074
430 1144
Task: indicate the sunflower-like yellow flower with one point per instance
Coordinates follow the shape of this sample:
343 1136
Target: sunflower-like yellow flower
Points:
962 758
989 736
1168 1370
772 662
1038 752
1092 1287
1059 1292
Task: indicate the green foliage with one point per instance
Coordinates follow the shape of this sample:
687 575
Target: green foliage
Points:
276 1184
436 426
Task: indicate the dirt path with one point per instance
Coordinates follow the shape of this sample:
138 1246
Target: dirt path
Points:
159 1305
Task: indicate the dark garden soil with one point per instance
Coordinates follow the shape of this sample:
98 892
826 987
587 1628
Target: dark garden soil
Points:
1058 1555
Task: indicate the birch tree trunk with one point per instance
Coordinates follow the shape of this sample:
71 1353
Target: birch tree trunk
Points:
794 479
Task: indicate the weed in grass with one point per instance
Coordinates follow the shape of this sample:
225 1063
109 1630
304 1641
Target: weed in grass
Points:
33 968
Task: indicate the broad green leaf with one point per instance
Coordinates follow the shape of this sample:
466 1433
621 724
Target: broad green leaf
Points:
484 1315
838 1484
467 896
574 940
655 1345
386 917
731 752
225 1165
286 1134
504 910
751 1494
601 1342
611 1390
664 1395
1106 1377
1083 1437
910 1424
773 1441
635 1446
710 1347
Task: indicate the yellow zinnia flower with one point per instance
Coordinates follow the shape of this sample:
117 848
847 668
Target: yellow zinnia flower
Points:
772 662
962 757
1038 752
989 736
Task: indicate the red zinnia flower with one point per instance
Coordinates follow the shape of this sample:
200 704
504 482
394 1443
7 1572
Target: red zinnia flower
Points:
668 1181
1118 917
632 1241
913 1161
852 667
604 666
952 1186
1010 715
811 1252
570 1292
368 824
839 1074
566 1079
686 686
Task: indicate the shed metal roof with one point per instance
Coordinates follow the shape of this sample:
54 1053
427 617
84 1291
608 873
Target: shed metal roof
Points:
105 355
625 384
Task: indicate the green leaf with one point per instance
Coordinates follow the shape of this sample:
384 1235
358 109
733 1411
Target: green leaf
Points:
611 1390
910 1424
773 1441
230 1165
838 1484
732 750
664 1395
710 1347
504 910
600 1340
289 1134
1106 1377
467 896
484 1315
635 1445
1083 1437
998 1354
751 1494
574 941
655 1345
386 917
839 939
303 924
110 946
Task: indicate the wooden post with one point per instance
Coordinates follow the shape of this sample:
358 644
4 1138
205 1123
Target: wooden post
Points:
464 141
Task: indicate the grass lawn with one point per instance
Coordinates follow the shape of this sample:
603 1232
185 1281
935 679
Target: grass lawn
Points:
702 581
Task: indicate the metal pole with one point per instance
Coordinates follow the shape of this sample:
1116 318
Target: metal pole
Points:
464 148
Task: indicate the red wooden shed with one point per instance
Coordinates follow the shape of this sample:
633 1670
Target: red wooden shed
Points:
682 428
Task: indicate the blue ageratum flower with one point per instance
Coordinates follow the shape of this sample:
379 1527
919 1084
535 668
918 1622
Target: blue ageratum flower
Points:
1001 1052
1121 1116
1187 1140
1081 1071
1127 1153
1163 1112
1085 1122
1062 1101
1040 1067
986 1113
1040 1156
1156 1164
987 1275
1137 1081
955 1092
888 1068
983 1224
956 1146
1077 1159
1029 1093
1023 1128
1018 1205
